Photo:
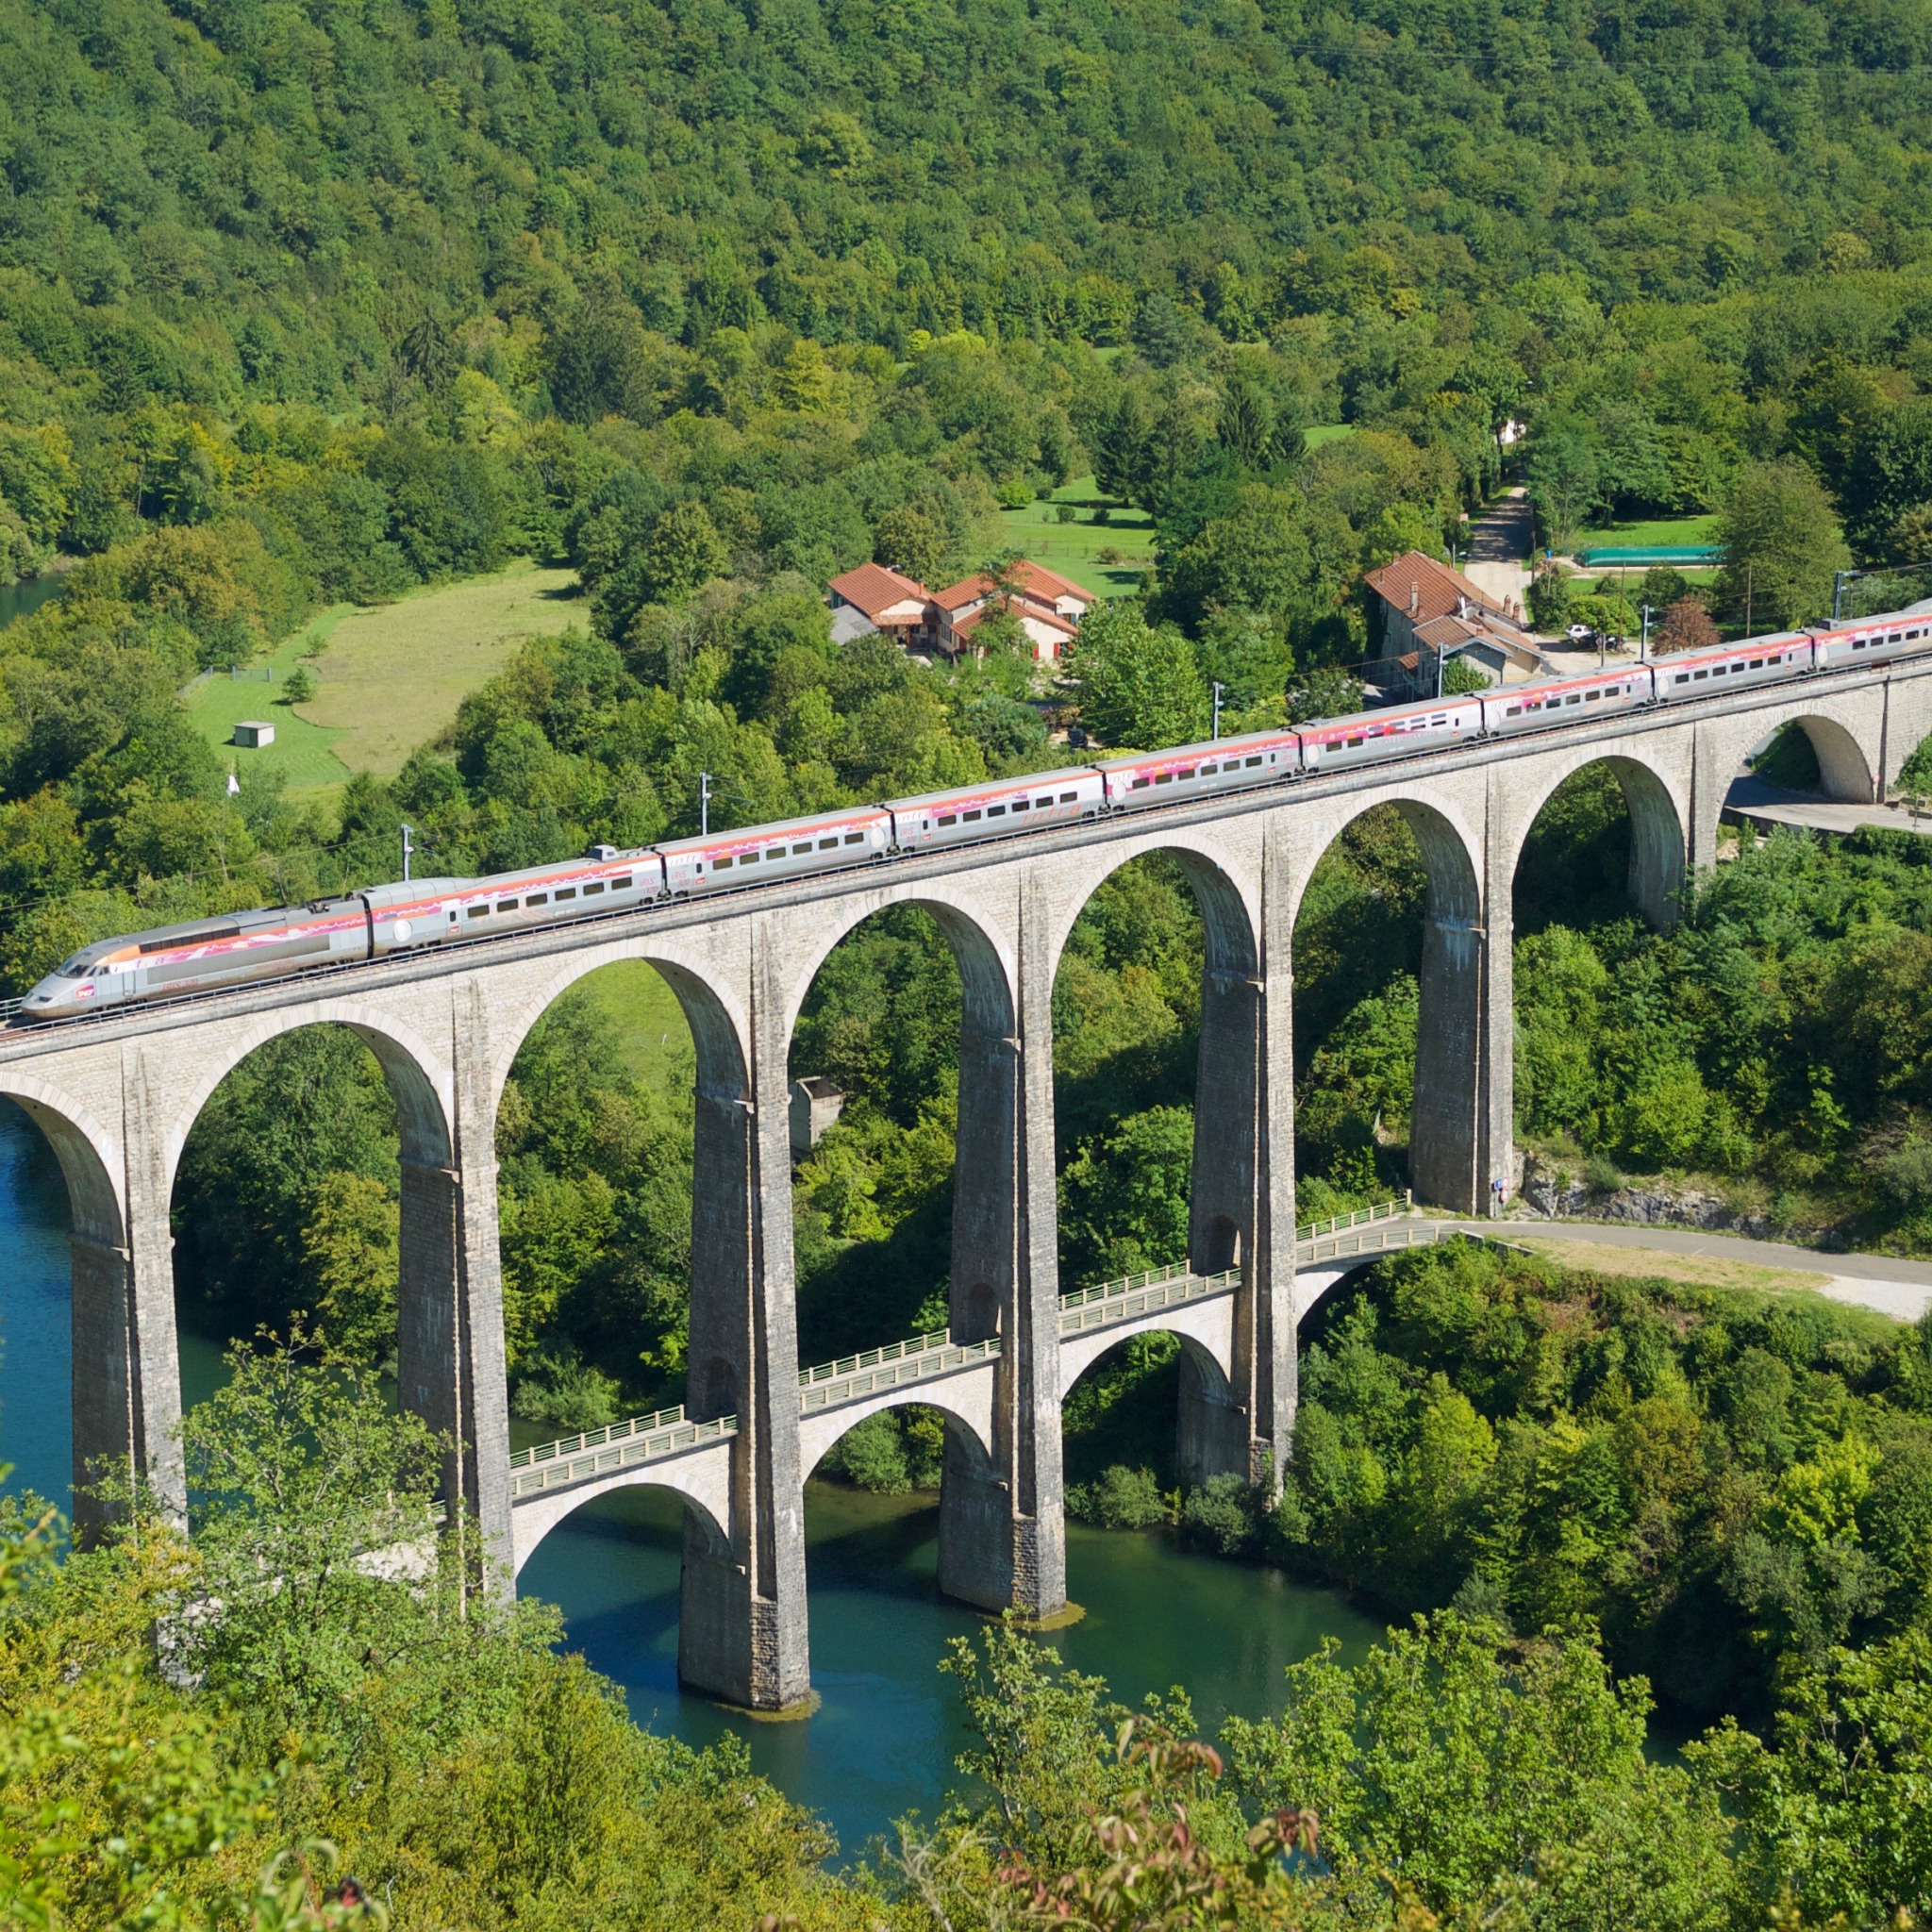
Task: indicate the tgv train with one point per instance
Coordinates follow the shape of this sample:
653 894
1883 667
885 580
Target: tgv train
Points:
237 949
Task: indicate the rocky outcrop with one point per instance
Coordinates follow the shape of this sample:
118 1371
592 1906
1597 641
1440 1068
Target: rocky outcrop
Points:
1643 1205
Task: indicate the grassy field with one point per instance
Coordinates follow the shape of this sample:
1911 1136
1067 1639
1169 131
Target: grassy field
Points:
1073 549
304 751
653 1039
391 678
388 677
1651 1264
1663 533
1328 432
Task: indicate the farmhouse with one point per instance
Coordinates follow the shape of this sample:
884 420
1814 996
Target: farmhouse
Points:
874 598
1423 613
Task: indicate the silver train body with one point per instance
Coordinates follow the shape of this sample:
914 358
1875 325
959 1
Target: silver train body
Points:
240 949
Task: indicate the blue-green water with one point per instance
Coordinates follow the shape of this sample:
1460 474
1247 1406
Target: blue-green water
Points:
883 1740
23 598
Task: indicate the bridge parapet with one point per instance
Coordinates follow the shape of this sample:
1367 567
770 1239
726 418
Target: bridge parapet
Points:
665 1432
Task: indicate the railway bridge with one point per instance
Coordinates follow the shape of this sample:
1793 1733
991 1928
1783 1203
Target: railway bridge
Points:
117 1093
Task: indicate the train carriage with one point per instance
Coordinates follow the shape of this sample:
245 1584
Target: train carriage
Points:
933 820
1537 706
1166 777
793 848
1758 660
1394 733
1872 643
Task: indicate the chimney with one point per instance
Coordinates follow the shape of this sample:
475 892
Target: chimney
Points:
1415 598
1463 607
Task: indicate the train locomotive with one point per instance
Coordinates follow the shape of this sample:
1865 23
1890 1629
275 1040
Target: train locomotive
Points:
240 949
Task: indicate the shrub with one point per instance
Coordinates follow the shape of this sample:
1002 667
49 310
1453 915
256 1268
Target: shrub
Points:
1123 1498
1221 1514
872 1455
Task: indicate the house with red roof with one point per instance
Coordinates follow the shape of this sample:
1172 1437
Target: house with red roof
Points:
1047 606
875 599
1425 613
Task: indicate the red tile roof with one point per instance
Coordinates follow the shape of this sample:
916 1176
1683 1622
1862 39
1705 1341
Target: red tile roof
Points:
1028 575
1417 585
872 588
1023 606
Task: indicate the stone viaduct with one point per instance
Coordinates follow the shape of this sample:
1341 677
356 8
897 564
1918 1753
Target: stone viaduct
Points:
117 1095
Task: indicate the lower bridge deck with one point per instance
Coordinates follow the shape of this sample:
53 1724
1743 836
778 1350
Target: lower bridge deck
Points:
881 1377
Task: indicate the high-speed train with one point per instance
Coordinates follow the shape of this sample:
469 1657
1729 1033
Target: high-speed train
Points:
237 949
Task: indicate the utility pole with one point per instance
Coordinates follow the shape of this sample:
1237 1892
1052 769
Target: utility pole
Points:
1646 613
1839 580
408 853
1217 689
1747 599
704 804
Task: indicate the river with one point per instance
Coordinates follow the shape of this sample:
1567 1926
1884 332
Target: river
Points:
883 1740
23 598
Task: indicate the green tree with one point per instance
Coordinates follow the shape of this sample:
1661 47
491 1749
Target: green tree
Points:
1139 685
682 552
1781 546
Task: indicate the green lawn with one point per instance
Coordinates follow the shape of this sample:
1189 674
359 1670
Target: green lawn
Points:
1073 549
390 677
302 750
1328 432
1662 533
653 1039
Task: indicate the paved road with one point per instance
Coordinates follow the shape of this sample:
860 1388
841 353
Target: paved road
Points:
1763 804
1894 1287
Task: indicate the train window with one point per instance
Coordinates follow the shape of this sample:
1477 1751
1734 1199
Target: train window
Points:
1682 677
1163 778
828 844
1023 805
1895 638
506 904
1573 699
1698 676
745 858
1208 770
1756 664
1860 643
1139 785
1046 804
1188 774
855 838
537 899
478 912
969 816
622 885
995 812
1251 761
1069 798
1591 697
1514 712
1353 742
564 893
1912 634
802 851
593 889
721 864
951 818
